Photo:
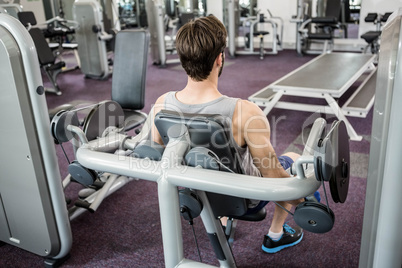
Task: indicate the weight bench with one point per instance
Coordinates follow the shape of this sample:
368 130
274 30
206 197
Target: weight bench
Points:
332 78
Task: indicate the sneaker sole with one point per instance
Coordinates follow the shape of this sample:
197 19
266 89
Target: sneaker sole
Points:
274 250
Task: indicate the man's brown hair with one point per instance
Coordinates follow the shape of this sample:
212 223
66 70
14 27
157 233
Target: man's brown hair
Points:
198 43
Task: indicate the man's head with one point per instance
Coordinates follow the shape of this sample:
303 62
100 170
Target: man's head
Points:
199 43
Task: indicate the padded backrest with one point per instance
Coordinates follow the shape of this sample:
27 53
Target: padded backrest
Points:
371 17
129 68
45 54
209 131
333 9
26 18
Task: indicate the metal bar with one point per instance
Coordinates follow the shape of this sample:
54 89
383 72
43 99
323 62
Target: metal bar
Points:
273 102
339 114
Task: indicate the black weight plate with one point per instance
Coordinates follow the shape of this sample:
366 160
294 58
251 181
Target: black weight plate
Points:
314 217
339 182
59 125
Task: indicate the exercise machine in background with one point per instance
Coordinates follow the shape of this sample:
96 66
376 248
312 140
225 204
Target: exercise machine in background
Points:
34 214
160 13
91 39
51 61
315 35
373 37
257 26
11 9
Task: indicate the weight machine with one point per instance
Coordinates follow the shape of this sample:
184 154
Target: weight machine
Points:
11 9
319 29
34 215
373 37
157 22
91 39
256 30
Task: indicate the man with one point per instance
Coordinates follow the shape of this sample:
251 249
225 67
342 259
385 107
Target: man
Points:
200 45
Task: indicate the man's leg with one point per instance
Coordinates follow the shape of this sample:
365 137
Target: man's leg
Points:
281 235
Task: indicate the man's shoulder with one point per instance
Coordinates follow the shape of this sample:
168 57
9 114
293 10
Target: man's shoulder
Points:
247 107
162 98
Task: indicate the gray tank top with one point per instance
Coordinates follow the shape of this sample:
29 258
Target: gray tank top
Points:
223 106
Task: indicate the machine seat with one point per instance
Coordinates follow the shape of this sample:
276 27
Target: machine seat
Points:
325 20
56 66
320 36
201 128
371 36
258 33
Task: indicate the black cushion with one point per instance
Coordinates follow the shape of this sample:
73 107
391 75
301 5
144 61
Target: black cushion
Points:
45 54
371 36
320 36
260 33
26 18
130 65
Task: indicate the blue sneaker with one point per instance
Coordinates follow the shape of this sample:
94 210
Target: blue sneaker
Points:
291 236
314 197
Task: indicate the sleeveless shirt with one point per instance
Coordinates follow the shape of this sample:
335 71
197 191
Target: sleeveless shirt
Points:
223 106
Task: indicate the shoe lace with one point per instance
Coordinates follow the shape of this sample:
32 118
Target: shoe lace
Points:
288 229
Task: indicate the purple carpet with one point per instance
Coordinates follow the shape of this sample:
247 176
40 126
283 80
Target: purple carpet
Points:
125 230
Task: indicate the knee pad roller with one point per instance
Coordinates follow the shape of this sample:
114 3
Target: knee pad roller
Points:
149 149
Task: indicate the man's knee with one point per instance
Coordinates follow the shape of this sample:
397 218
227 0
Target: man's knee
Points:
292 155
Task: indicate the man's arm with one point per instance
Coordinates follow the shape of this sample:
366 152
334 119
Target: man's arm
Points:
252 128
159 104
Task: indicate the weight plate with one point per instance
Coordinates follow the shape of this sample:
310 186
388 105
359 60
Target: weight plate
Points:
81 174
314 217
59 125
339 182
190 205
